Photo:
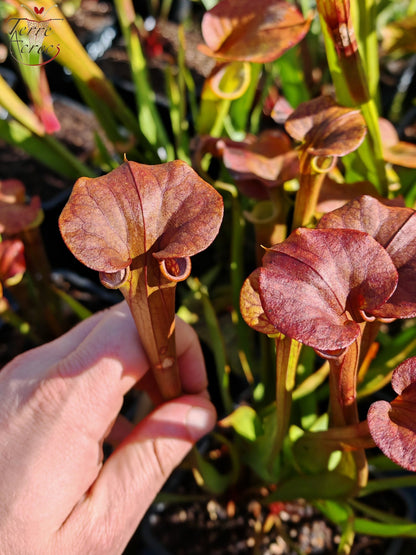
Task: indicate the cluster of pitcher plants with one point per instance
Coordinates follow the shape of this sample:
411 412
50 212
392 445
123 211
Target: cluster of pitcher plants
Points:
282 167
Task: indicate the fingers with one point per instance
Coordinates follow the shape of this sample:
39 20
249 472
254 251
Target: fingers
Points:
113 342
73 390
190 359
37 361
108 336
118 431
99 371
111 359
192 371
61 401
109 348
135 472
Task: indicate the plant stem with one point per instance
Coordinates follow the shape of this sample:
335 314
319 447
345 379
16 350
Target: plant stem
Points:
269 218
150 122
217 342
178 121
370 113
349 77
372 512
244 333
81 169
343 400
287 356
311 179
395 482
354 436
312 382
19 110
367 39
151 299
270 72
222 112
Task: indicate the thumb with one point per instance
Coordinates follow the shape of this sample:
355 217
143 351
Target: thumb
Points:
109 514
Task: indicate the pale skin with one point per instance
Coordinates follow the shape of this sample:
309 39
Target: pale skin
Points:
58 403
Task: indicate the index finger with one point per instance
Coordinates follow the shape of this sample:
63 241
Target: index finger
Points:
112 352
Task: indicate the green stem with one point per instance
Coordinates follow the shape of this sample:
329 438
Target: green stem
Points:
311 179
150 122
376 514
354 436
312 382
222 112
178 121
244 333
350 80
367 39
81 169
371 116
343 400
241 108
217 341
287 356
18 109
270 74
382 484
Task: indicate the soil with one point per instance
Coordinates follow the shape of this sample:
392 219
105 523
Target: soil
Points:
241 523
242 526
91 18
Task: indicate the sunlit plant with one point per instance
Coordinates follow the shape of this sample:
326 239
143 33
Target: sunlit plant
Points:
138 227
392 425
330 188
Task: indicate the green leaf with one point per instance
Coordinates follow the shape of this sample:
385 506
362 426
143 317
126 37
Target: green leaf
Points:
337 511
383 529
292 77
78 309
259 454
245 422
150 122
216 340
208 476
45 149
326 485
395 482
241 107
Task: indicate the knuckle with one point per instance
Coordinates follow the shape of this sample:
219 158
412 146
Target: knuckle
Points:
49 395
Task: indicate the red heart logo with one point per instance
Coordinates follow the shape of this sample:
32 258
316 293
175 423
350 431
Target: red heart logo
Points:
39 10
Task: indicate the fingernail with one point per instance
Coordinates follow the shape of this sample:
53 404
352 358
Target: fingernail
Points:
200 421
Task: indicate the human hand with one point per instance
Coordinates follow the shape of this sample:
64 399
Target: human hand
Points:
57 404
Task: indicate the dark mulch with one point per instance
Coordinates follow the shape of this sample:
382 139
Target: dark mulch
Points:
241 523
